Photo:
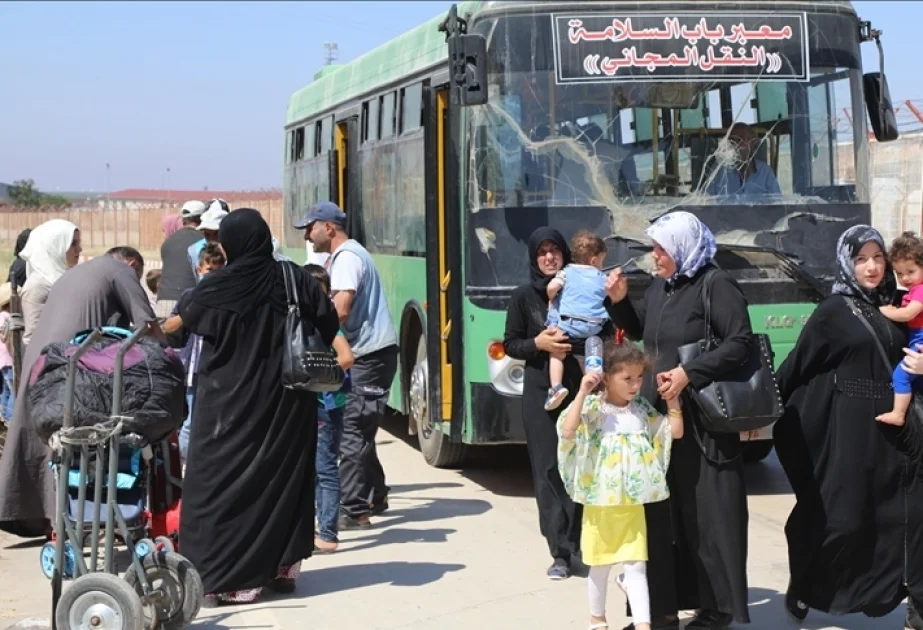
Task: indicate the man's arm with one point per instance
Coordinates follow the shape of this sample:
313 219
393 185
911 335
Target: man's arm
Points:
343 301
345 275
134 302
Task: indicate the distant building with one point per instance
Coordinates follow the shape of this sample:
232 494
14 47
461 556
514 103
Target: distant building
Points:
136 198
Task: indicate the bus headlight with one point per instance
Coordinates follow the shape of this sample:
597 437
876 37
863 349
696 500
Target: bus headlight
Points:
506 374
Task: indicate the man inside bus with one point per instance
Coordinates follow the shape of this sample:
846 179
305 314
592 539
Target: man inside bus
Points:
748 175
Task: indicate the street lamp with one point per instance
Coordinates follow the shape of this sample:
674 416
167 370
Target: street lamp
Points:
168 187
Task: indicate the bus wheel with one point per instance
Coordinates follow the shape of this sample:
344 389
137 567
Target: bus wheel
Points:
757 451
437 448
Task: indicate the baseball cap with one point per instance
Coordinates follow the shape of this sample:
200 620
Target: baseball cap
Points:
192 209
211 219
323 211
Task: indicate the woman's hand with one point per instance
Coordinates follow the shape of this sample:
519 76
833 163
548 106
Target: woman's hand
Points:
552 341
671 384
913 362
616 286
589 382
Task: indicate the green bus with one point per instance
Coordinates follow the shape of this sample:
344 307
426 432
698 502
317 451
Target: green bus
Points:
448 145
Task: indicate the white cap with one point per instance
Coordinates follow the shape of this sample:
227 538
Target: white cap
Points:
211 220
192 209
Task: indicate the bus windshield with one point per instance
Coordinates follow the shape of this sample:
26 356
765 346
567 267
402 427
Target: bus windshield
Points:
558 134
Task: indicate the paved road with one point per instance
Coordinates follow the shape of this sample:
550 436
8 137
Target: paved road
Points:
456 551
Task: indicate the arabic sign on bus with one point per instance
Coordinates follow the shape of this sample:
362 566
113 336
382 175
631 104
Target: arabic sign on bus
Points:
601 48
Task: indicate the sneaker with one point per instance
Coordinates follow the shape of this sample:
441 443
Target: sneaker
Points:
559 570
711 620
556 396
795 608
363 521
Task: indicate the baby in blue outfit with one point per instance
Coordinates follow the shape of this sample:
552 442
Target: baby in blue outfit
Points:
576 296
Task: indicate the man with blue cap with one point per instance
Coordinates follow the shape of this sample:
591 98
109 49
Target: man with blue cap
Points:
366 322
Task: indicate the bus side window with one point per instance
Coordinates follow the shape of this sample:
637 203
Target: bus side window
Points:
411 107
299 144
370 120
387 114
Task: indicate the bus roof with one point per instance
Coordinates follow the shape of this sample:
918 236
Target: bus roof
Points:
410 52
425 46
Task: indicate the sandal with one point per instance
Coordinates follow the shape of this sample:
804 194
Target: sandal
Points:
599 626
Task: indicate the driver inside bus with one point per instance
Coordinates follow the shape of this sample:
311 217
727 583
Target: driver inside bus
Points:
748 175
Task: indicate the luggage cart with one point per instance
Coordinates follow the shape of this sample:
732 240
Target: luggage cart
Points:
161 589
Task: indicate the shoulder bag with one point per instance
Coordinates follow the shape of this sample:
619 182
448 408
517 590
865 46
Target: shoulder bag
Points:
745 398
307 363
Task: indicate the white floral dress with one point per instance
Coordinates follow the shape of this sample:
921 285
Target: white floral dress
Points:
616 462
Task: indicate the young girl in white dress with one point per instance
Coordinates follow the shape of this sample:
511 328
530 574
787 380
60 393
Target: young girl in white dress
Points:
613 454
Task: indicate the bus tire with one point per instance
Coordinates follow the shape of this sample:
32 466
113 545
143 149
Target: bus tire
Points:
437 448
757 451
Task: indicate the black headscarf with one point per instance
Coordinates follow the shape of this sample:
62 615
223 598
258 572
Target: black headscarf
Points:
847 248
252 277
17 275
540 280
21 241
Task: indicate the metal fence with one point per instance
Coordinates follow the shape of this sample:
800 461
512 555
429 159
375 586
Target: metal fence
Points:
897 183
101 228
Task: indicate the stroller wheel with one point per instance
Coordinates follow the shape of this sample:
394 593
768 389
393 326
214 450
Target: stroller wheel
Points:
99 601
180 590
164 543
47 557
144 547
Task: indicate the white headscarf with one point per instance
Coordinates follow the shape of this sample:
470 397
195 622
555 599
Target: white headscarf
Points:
46 252
687 240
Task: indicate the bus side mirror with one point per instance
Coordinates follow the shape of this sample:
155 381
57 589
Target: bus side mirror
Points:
468 69
878 104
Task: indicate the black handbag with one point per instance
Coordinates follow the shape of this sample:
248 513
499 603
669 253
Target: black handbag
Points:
744 399
307 363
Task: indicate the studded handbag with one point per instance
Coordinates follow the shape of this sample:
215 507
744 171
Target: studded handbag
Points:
307 363
745 398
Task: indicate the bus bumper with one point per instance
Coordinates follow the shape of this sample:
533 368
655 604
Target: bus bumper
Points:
495 418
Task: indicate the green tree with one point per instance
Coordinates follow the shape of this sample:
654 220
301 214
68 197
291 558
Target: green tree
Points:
24 193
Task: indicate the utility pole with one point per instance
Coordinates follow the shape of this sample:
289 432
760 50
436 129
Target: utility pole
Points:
331 53
108 187
168 186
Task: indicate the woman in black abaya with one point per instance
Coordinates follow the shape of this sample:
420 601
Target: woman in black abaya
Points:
248 503
526 338
697 541
855 535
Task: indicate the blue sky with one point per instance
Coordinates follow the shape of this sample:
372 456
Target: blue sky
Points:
202 88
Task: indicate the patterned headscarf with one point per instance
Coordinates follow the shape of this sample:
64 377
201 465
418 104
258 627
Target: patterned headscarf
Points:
687 240
847 248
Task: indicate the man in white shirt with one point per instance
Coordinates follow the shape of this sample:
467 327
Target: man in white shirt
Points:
366 323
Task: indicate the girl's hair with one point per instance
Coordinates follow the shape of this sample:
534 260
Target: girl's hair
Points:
621 353
585 245
907 246
153 280
320 274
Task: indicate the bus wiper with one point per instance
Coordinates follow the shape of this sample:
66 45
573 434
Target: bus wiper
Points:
788 262
632 241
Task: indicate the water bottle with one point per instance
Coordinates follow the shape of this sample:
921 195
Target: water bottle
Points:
593 362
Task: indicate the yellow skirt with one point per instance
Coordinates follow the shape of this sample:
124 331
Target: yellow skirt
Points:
613 534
